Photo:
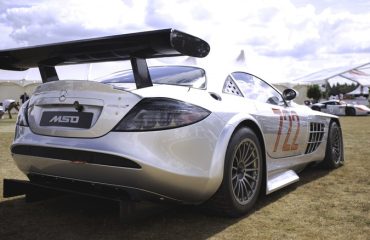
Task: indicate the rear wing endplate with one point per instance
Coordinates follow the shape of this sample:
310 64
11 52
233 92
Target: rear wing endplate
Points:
136 47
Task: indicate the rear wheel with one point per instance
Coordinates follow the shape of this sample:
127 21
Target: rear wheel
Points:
242 179
350 111
334 148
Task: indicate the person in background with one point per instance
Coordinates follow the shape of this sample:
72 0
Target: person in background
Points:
1 110
8 105
24 97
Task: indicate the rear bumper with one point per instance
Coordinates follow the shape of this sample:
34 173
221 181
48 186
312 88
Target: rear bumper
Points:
42 186
180 164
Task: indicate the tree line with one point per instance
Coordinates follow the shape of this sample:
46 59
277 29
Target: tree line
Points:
314 91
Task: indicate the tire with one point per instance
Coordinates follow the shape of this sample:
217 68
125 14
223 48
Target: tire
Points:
350 112
243 171
334 148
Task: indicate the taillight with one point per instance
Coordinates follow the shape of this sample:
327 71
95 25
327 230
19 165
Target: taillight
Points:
161 113
22 119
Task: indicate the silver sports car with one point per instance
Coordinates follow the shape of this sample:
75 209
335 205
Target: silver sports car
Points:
187 134
341 108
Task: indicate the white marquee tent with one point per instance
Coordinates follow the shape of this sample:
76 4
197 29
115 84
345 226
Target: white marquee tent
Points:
356 73
359 74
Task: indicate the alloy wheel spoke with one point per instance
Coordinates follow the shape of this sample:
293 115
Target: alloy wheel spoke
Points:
246 152
236 188
247 183
238 155
245 196
242 151
234 177
250 169
250 177
250 163
246 160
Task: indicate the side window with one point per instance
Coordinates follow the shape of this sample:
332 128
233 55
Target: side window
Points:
255 88
230 87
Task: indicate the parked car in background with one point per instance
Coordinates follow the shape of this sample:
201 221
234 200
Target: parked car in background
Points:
341 108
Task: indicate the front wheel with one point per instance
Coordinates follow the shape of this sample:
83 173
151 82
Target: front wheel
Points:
350 111
242 178
334 148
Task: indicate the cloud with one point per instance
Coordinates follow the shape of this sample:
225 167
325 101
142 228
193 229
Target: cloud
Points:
281 33
55 21
6 40
305 33
299 50
159 15
345 33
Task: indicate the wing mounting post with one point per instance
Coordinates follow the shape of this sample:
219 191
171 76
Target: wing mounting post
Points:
141 72
48 73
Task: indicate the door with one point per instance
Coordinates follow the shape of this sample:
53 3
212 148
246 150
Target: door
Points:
284 126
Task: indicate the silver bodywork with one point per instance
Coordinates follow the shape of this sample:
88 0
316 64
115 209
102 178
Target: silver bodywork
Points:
185 164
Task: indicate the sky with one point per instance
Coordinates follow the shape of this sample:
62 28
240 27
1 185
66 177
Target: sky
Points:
282 40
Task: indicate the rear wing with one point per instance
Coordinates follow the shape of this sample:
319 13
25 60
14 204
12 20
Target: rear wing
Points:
136 47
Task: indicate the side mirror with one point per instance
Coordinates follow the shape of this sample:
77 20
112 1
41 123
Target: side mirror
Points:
289 94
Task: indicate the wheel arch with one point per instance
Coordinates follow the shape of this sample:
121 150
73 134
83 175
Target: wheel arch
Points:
217 201
328 161
336 120
234 124
257 130
348 110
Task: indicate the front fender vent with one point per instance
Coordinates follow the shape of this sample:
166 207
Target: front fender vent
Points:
317 131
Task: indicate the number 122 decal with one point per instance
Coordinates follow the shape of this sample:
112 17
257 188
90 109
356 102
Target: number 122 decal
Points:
292 117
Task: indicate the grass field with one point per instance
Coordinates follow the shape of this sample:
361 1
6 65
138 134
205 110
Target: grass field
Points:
323 205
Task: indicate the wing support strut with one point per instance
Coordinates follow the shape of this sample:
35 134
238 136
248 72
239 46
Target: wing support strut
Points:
48 73
141 72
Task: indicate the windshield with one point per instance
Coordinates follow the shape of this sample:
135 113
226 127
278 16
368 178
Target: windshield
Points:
172 75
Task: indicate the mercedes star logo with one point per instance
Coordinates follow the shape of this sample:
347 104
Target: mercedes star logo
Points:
63 95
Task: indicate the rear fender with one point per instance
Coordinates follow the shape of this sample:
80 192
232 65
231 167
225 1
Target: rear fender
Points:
236 122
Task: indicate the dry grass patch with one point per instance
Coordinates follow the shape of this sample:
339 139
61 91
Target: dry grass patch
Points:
323 205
